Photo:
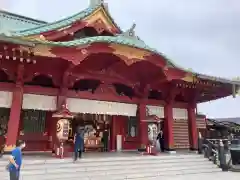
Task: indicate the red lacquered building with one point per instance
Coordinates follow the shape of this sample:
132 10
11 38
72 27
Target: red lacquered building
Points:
109 79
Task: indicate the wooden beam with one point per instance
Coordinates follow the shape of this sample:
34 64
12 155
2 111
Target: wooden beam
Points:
102 77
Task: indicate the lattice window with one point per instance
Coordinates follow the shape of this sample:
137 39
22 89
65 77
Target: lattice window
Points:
132 126
33 121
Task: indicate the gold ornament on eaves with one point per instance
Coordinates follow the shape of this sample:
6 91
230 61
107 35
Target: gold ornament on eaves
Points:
129 53
39 38
39 50
190 78
101 15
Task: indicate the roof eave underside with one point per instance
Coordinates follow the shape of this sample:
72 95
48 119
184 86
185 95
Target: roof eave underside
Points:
218 79
112 39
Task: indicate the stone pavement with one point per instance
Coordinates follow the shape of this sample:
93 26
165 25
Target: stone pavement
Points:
208 176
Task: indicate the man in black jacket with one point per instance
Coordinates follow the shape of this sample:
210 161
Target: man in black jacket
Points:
160 138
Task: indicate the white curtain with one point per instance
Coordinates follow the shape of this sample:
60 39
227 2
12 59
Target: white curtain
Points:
76 105
6 99
156 110
39 102
180 113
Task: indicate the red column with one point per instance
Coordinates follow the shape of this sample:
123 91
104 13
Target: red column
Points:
15 112
192 126
49 126
168 126
113 133
14 121
143 126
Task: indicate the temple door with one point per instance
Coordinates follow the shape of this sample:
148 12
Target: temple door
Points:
130 133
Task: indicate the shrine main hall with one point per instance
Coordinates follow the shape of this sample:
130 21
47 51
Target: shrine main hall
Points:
107 78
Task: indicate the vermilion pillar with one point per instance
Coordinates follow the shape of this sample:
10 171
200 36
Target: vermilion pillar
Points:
168 126
168 122
192 126
143 129
113 133
14 119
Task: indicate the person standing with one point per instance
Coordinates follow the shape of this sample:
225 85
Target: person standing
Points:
79 142
15 161
160 138
105 140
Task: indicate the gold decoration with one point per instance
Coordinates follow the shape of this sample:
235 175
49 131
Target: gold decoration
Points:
39 50
130 53
189 78
43 50
40 38
100 14
9 148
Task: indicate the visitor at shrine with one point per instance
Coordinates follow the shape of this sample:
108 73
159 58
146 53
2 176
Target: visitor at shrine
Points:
79 142
160 138
105 140
15 161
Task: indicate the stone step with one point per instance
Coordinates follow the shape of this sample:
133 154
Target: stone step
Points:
94 164
80 168
129 173
107 159
112 168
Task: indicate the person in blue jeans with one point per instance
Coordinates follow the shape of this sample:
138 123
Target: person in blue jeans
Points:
16 161
79 142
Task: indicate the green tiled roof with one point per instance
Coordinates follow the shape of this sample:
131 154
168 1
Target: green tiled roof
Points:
14 22
119 39
59 24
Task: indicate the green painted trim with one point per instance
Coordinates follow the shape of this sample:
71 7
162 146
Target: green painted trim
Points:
21 17
62 23
57 24
16 41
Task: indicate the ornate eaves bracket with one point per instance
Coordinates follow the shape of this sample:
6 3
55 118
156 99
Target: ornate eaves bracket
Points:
130 33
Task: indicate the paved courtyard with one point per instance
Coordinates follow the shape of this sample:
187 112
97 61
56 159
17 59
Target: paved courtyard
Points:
213 176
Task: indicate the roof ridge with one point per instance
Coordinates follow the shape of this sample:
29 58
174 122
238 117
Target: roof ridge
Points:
18 16
62 22
85 11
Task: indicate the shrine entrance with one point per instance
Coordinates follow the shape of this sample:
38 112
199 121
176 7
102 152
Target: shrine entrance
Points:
4 117
35 128
97 135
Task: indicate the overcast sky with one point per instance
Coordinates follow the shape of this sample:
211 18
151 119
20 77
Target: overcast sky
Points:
200 34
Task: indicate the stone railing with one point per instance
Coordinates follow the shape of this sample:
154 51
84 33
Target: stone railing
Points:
222 152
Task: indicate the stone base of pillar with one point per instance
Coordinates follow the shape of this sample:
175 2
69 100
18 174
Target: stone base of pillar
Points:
170 151
193 152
